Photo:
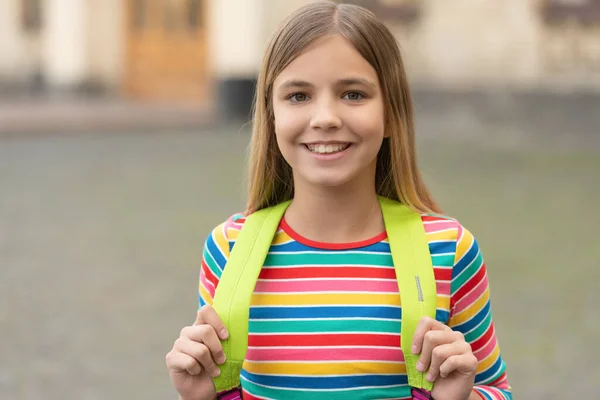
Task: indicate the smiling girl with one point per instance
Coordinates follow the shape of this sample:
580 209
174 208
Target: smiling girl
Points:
333 133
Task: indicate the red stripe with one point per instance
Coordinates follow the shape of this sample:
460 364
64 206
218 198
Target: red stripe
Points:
248 396
470 284
209 274
327 272
442 273
479 343
330 246
324 340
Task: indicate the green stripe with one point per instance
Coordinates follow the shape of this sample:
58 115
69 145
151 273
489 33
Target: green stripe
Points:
443 260
467 273
395 392
295 259
212 264
338 325
480 330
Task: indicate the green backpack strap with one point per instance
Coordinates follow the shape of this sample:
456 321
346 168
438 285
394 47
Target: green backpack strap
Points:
414 272
236 285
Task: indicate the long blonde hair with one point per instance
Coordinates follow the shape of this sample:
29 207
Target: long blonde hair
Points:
270 176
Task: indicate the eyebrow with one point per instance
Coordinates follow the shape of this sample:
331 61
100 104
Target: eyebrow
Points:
293 83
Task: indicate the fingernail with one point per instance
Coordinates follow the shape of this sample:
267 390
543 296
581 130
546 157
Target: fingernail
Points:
429 378
414 349
223 333
216 373
420 367
222 360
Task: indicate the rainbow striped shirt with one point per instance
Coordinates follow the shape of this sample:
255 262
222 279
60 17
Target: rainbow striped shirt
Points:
325 319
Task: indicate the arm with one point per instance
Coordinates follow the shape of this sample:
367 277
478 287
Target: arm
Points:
470 313
215 254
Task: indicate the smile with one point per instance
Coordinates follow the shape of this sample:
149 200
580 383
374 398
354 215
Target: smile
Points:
330 148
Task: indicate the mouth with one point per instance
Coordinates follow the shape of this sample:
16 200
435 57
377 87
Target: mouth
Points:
329 148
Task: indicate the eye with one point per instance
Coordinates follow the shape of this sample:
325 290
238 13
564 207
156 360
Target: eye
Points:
354 96
298 97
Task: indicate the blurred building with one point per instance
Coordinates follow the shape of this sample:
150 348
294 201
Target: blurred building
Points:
209 50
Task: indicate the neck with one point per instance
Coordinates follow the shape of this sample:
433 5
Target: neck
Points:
335 215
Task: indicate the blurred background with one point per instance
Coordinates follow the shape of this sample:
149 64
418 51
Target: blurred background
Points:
123 131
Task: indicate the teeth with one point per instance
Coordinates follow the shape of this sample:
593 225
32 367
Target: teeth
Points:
327 149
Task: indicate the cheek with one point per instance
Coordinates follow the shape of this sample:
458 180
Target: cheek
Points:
288 123
370 122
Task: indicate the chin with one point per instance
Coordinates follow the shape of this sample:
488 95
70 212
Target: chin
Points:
331 181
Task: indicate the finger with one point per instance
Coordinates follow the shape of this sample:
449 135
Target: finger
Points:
443 352
181 362
200 352
463 363
199 320
425 325
209 316
206 335
432 340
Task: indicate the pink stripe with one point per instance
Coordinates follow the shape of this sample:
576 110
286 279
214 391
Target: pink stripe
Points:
470 298
325 285
443 287
488 349
432 227
329 354
208 285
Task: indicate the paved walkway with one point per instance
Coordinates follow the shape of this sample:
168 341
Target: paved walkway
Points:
70 115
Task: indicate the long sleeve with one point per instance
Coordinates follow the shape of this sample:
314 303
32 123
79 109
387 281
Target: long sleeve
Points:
471 314
217 248
214 257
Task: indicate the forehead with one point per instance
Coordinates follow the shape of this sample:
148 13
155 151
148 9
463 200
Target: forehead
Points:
328 60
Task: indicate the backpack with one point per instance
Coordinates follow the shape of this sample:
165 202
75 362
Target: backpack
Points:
410 255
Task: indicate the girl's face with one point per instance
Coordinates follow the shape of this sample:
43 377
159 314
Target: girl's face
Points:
329 115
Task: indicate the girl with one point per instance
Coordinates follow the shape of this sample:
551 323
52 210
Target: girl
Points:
333 130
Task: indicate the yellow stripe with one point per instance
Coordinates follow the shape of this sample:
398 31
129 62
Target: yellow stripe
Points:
464 244
444 235
291 299
221 240
281 237
205 295
338 368
472 310
232 233
489 360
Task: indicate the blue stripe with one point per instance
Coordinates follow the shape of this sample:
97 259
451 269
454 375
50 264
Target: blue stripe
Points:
214 250
442 315
492 373
487 396
326 312
466 260
325 382
442 247
380 247
475 320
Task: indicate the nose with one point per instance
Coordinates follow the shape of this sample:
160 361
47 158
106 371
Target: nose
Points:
326 116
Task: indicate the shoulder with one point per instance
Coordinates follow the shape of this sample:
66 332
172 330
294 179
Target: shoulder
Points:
443 228
223 236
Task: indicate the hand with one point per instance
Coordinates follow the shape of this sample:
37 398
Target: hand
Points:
191 361
448 359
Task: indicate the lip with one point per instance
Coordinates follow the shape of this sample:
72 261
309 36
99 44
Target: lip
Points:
325 142
328 156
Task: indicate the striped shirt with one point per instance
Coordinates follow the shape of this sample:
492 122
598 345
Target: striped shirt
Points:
325 319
